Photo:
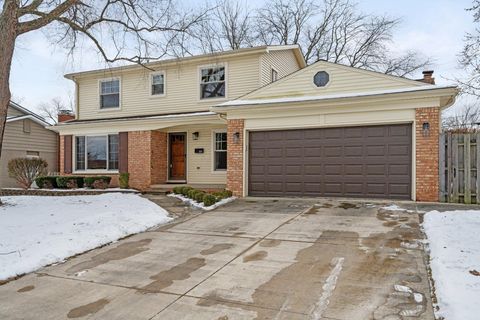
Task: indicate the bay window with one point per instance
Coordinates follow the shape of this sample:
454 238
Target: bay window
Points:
96 152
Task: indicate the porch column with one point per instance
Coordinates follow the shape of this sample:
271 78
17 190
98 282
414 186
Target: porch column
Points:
147 158
235 156
427 130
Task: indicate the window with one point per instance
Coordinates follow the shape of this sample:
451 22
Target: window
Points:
96 152
212 82
274 75
26 126
110 94
157 84
220 151
321 79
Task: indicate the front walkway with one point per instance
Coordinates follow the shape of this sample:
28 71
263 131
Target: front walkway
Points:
251 259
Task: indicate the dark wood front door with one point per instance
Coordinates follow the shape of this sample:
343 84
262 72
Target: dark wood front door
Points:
177 156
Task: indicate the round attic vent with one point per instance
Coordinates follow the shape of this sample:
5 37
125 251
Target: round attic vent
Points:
321 78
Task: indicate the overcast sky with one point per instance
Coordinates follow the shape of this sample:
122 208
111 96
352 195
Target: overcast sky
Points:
433 27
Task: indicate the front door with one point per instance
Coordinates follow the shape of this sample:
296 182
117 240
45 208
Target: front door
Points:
177 156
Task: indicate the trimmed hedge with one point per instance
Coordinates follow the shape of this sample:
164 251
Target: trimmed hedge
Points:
97 182
69 182
201 196
47 182
123 180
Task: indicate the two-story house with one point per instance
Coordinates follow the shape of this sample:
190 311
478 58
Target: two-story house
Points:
26 136
261 123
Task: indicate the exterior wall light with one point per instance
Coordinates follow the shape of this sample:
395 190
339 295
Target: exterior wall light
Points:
426 129
236 137
195 135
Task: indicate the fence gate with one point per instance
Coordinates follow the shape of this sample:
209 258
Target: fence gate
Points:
459 165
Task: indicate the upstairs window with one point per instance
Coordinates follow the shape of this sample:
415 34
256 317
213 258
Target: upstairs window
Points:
109 93
212 82
96 152
157 84
220 151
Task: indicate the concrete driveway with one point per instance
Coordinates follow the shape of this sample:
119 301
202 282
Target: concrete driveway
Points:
251 259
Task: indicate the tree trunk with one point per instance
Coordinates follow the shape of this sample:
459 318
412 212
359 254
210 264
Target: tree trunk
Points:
8 35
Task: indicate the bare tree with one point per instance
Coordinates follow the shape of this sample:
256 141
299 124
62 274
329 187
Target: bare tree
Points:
51 110
470 55
336 31
120 30
464 120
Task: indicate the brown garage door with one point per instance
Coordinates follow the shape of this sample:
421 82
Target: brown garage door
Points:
370 161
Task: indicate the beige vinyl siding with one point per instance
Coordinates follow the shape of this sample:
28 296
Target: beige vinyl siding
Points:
342 80
12 112
16 143
283 61
39 138
182 92
200 166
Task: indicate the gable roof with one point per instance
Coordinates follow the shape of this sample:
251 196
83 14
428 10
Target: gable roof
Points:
342 79
222 54
27 115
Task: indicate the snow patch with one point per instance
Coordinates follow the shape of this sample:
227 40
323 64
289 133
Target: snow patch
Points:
400 288
454 244
41 230
195 204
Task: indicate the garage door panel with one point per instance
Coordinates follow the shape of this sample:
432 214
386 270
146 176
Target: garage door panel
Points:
371 161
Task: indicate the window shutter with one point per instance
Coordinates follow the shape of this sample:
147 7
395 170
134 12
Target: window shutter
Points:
123 152
67 154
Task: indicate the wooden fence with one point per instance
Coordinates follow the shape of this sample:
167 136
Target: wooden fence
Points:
459 167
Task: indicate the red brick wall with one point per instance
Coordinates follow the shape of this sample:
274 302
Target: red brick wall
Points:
427 153
159 157
235 157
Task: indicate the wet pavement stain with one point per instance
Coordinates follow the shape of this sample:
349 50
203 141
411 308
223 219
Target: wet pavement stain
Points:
166 278
88 309
348 205
325 205
312 210
216 248
122 251
270 243
259 255
26 289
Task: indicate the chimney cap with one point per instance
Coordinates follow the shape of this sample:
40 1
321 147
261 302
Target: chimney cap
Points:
427 72
65 112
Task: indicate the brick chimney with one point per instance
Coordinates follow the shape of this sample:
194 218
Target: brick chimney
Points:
428 77
65 115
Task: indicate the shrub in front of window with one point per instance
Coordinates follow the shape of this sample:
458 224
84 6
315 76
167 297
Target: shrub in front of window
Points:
25 170
99 182
223 194
46 182
123 180
70 182
177 190
209 200
191 193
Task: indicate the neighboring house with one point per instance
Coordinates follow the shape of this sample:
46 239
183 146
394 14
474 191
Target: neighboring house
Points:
26 136
260 122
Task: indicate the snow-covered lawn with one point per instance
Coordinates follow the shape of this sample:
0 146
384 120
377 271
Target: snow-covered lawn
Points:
36 231
454 243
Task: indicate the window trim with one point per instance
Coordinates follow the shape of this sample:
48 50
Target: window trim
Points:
150 84
99 88
219 171
74 154
26 126
199 81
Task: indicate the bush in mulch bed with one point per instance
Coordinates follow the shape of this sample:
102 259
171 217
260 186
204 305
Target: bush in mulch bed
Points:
98 182
47 182
69 182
